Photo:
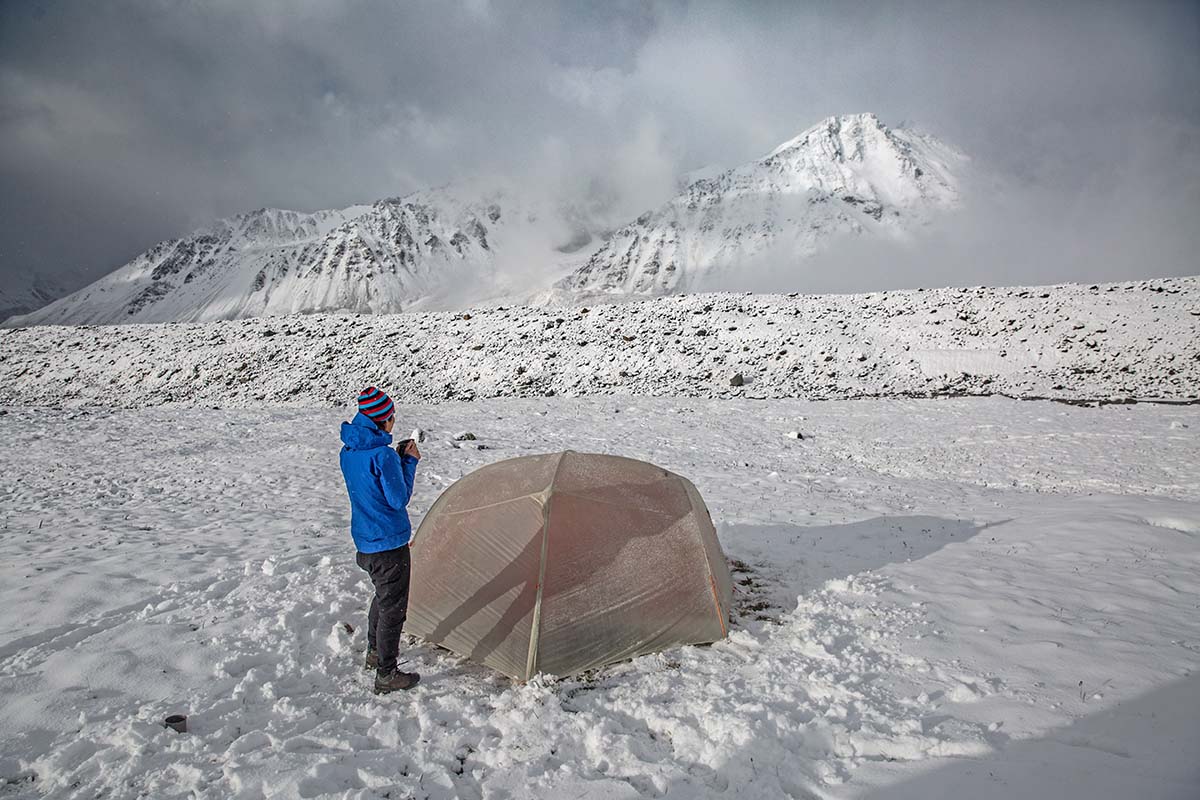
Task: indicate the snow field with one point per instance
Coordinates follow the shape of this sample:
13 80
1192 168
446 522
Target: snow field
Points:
1112 341
965 597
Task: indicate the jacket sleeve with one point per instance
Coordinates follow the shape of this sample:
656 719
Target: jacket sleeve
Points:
397 475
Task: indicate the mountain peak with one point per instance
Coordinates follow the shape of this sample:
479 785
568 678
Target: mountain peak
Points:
853 125
848 174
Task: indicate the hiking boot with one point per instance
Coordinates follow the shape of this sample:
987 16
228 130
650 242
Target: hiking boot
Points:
395 680
372 661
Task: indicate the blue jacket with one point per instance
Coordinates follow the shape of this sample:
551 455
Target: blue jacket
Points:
380 482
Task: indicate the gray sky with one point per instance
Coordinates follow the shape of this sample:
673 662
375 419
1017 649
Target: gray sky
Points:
123 123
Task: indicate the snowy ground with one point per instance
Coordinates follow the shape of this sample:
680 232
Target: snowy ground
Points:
976 598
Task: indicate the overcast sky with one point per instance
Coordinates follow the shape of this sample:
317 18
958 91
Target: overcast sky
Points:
123 123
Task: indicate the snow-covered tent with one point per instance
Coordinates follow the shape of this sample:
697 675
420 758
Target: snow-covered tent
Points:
565 562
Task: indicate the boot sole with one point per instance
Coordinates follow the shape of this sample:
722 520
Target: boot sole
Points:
405 689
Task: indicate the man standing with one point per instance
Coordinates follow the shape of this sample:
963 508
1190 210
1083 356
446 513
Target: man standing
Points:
380 483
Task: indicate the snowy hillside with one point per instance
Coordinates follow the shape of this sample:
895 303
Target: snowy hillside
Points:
1127 340
427 249
849 174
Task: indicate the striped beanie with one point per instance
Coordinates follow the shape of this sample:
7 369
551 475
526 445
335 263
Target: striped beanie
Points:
375 404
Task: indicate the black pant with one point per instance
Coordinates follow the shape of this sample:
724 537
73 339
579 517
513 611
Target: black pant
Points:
389 571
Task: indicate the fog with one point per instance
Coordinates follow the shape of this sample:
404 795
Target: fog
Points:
126 123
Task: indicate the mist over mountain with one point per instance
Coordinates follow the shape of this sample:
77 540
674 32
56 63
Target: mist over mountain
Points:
845 175
28 293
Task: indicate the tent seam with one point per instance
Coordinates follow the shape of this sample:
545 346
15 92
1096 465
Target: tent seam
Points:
492 505
535 633
712 578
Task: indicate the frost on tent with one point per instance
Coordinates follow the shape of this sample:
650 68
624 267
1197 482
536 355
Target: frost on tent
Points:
566 562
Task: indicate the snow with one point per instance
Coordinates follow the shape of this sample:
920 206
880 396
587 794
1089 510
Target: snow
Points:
1108 341
971 597
968 596
845 175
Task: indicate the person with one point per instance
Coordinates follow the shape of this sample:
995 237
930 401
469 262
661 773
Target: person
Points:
380 483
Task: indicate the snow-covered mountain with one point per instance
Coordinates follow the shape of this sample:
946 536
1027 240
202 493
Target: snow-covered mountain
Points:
849 174
448 248
24 296
429 249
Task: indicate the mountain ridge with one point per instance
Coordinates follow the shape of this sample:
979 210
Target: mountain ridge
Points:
446 248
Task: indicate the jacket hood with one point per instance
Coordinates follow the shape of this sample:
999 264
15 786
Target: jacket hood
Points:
361 433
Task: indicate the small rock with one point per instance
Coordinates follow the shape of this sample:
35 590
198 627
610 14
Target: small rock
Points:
465 436
795 435
737 380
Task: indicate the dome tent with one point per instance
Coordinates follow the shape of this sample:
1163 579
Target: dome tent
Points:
565 562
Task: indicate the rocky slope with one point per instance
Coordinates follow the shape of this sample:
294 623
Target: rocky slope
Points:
427 249
845 175
1113 341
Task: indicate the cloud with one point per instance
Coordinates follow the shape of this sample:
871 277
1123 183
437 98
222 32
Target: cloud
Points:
124 123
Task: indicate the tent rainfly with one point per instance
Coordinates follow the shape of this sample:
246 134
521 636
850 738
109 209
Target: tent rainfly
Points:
566 562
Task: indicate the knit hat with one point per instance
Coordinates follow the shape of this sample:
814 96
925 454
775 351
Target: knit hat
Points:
375 404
